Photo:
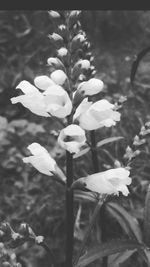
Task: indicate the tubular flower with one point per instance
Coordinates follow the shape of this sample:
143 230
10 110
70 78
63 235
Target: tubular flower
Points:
53 101
111 181
99 114
91 87
57 101
72 138
41 159
32 99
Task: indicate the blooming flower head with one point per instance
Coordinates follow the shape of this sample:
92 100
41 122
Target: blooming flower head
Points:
41 159
111 181
72 138
93 116
53 101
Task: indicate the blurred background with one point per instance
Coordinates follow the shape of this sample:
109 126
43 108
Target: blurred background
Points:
26 196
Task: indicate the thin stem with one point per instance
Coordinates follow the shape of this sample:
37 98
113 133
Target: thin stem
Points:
50 253
94 152
69 211
88 231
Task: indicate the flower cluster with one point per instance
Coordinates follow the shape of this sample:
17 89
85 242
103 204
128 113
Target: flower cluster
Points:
67 92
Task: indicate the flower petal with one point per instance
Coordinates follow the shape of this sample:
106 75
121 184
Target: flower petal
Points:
27 88
43 82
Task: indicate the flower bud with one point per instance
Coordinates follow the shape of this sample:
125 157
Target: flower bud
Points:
72 138
63 54
55 63
81 66
62 30
54 15
56 39
78 41
59 77
73 17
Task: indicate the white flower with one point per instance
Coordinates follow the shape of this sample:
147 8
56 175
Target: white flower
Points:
57 101
32 99
41 159
72 138
111 181
91 87
53 101
59 77
93 116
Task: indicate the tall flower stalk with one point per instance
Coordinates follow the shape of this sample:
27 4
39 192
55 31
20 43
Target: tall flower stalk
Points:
67 95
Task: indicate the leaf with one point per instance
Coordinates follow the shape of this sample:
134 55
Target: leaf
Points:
136 63
126 221
147 218
115 260
108 140
84 196
81 153
108 248
99 144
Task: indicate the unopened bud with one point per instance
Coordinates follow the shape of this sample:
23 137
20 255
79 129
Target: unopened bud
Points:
63 54
79 67
59 77
54 15
73 17
78 41
62 30
55 63
56 39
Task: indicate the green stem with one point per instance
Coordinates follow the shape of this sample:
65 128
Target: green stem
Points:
88 231
94 152
69 211
102 212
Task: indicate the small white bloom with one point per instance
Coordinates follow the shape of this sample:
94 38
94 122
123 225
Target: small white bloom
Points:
59 77
41 159
57 101
97 115
91 87
72 138
111 181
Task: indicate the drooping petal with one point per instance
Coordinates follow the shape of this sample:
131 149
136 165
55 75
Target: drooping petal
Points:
33 102
72 138
27 88
41 159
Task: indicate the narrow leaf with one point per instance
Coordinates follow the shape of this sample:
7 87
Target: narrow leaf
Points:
84 196
147 218
108 140
106 249
126 221
81 153
136 63
118 258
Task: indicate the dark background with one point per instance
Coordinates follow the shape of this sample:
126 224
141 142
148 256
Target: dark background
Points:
27 196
